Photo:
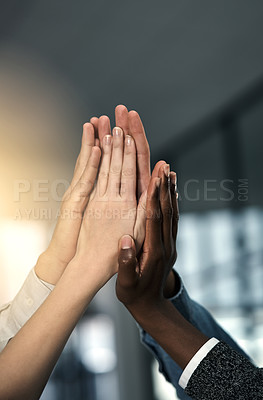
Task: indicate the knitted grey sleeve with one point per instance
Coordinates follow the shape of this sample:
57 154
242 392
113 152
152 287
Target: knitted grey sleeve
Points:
225 374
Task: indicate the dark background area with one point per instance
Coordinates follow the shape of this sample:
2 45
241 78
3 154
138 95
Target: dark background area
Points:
176 62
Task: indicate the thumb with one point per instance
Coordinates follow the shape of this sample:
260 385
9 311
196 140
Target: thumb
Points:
127 275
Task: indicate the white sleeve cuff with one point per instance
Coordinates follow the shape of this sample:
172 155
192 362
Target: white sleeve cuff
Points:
16 313
195 361
30 297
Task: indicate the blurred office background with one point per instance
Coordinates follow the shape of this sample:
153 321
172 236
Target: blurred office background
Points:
194 71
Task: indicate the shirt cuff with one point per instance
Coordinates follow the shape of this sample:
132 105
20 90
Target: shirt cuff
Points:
16 313
181 287
29 298
195 361
48 285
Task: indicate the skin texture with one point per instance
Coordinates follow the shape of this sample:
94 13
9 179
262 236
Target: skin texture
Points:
74 258
62 248
141 281
40 341
111 210
159 250
52 263
131 124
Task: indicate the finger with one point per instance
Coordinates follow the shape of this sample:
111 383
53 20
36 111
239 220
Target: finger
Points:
67 228
155 172
139 227
105 165
128 173
83 188
97 142
166 208
153 236
121 118
136 130
95 122
127 274
103 127
114 180
174 198
86 147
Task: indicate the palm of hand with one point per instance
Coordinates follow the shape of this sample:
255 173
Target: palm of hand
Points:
112 208
105 221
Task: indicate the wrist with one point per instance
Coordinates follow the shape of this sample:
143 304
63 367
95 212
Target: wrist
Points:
172 331
91 272
172 285
147 313
49 268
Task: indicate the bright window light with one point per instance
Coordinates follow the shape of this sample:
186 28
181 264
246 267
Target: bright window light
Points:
21 242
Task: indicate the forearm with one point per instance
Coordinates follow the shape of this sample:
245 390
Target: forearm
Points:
39 343
175 334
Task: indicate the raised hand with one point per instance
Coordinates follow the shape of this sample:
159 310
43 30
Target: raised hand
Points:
112 208
131 124
141 282
62 247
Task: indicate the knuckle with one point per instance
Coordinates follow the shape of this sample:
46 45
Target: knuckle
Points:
128 151
127 172
115 170
124 294
128 260
158 255
176 216
103 173
86 185
153 215
154 255
167 212
125 283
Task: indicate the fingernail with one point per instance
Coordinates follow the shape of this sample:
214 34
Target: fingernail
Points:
167 170
117 131
107 139
128 140
126 242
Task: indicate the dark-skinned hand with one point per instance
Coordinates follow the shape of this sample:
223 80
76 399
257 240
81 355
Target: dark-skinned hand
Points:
141 280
